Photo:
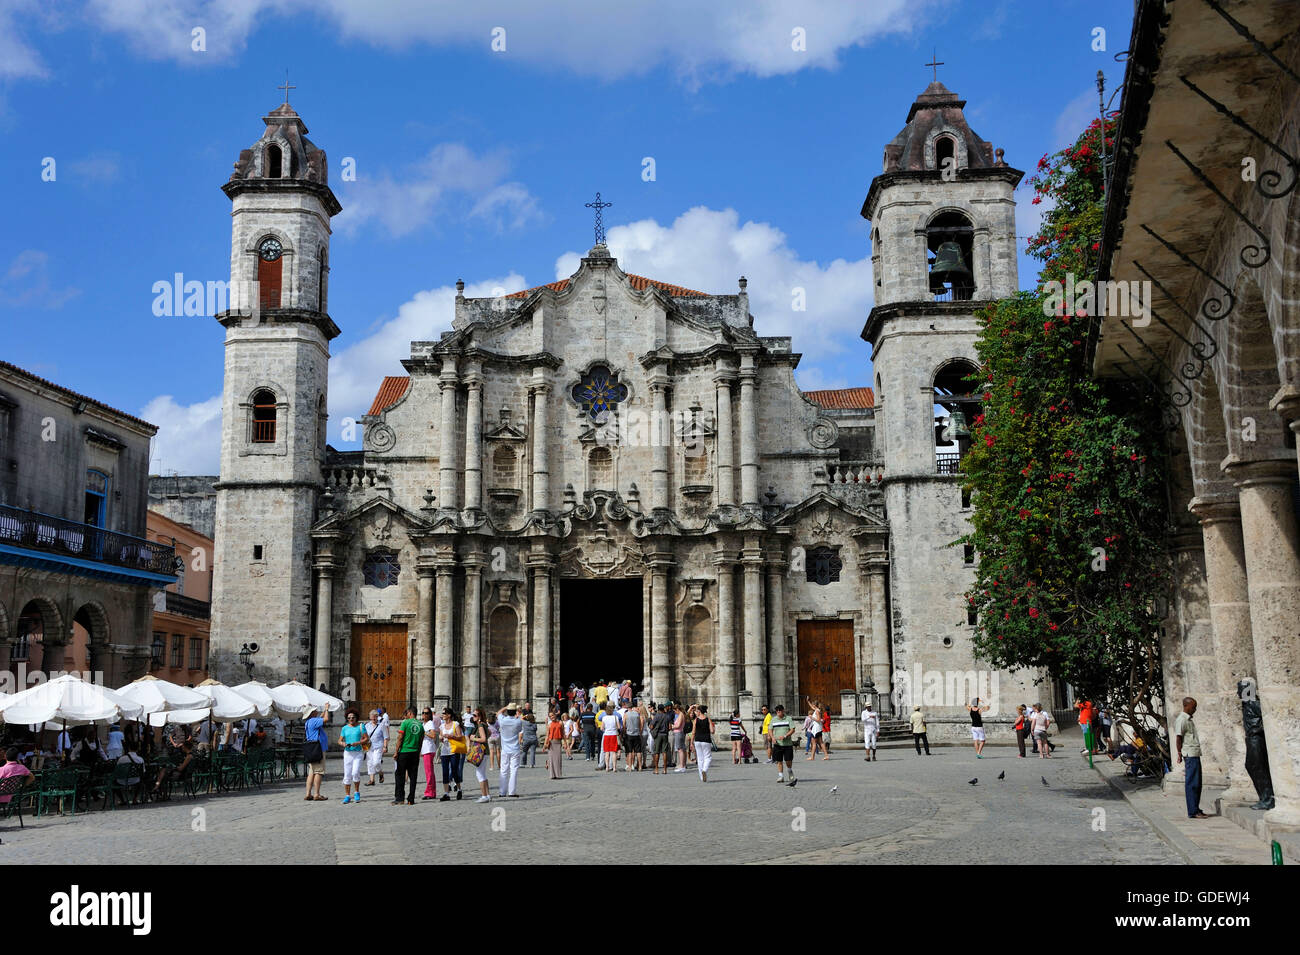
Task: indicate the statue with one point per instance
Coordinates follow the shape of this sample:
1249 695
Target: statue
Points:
1252 718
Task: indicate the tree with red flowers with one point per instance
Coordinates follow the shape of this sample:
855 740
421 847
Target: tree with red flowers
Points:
1068 481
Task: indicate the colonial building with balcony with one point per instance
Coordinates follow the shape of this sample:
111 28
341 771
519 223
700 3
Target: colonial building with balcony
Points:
77 571
179 642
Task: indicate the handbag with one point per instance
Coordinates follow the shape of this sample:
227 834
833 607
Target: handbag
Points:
457 745
476 752
311 751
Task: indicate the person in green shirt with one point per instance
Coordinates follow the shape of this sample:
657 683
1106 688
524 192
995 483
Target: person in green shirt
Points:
782 730
409 737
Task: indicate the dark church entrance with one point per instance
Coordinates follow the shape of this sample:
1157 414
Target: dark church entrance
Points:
600 631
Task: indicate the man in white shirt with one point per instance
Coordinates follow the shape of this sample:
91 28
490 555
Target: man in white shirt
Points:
870 730
1040 720
610 724
377 729
511 728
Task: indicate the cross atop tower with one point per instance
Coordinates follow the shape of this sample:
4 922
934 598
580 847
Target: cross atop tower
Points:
286 87
935 62
600 221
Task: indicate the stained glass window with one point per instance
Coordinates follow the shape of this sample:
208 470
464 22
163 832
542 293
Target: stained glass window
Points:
381 568
824 565
599 393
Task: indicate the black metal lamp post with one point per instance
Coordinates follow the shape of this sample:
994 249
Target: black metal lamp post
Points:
246 657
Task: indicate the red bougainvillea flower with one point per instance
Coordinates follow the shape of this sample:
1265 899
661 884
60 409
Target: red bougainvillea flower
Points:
1036 200
988 440
1023 514
1096 511
1033 612
1052 627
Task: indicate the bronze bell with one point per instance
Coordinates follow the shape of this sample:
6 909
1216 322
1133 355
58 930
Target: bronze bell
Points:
949 267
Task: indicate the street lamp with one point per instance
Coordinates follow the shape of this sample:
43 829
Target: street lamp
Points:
246 657
156 652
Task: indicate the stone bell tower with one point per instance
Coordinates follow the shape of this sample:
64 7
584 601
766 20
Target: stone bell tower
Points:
942 215
273 402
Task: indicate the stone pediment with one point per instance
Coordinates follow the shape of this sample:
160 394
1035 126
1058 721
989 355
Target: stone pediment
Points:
823 507
378 517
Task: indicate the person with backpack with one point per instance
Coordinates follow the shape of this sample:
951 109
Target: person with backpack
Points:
590 732
315 742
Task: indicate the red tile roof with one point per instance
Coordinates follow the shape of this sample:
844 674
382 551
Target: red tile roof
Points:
390 392
843 399
638 282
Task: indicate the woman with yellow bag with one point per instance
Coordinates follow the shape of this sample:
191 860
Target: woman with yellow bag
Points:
453 754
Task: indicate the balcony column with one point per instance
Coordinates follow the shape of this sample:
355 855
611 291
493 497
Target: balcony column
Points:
722 379
755 642
776 655
748 432
474 442
447 384
540 391
1272 550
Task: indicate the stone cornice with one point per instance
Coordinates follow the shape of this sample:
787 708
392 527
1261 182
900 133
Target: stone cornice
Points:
281 316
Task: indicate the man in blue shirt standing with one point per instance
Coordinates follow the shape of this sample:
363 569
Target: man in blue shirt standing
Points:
314 729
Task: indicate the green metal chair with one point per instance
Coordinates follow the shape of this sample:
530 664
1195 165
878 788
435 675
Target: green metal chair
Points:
99 783
60 785
14 787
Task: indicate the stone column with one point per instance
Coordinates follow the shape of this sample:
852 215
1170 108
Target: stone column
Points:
776 659
877 574
661 564
444 663
320 675
1234 650
748 432
474 441
755 642
540 674
447 384
541 443
472 641
661 438
422 666
1200 673
726 659
1272 550
725 457
983 265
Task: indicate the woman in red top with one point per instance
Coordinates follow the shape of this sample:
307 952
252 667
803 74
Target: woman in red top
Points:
555 745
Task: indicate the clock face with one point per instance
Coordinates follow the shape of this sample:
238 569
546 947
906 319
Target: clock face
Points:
269 250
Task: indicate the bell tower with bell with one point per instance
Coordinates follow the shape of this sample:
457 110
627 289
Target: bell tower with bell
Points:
943 242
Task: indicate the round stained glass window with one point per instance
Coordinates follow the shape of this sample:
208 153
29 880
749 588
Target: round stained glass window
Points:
599 393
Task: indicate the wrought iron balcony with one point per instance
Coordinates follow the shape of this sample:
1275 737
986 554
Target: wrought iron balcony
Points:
947 463
62 538
188 607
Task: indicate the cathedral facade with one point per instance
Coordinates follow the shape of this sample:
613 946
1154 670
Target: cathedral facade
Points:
611 476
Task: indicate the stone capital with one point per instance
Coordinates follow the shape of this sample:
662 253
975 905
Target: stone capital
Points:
1255 473
1215 510
1287 403
539 388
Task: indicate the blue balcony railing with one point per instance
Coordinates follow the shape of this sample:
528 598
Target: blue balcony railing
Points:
56 536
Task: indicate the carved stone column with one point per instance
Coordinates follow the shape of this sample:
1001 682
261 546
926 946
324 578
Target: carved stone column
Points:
776 656
661 437
324 567
726 681
661 564
748 432
1268 527
877 576
447 384
541 391
540 566
1234 650
472 641
755 636
444 662
422 665
474 441
722 379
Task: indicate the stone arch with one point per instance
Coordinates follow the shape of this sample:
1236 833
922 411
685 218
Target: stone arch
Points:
42 622
1207 440
935 145
600 468
943 227
697 636
1252 377
273 161
957 398
504 665
91 634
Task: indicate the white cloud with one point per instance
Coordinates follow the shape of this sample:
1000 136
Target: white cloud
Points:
698 41
189 436
709 249
18 60
96 169
1074 119
440 184
27 283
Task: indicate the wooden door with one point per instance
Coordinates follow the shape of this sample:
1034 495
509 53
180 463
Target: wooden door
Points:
379 667
826 661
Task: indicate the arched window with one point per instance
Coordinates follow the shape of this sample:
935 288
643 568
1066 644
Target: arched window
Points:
949 237
270 263
273 161
264 414
945 148
600 469
955 406
697 637
503 467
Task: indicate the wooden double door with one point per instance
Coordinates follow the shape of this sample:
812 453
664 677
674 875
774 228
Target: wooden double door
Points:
379 667
826 661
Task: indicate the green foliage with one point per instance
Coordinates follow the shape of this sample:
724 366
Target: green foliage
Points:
1068 475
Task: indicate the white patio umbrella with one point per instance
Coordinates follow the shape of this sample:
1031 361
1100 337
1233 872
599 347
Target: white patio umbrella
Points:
259 693
224 706
294 700
157 695
69 701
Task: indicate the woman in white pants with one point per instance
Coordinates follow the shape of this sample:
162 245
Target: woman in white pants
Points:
702 736
352 738
377 729
482 736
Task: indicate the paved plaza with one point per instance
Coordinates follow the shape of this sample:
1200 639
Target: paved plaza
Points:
901 809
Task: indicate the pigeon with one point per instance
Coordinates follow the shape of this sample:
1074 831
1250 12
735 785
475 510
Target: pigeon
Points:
792 783
1002 775
1044 779
835 789
974 781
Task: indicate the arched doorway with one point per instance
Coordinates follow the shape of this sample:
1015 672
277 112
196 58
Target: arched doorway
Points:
503 660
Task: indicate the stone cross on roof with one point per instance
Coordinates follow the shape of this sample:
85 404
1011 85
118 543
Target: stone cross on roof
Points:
935 62
600 221
286 87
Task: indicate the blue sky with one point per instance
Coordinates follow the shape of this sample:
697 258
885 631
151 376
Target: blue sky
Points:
475 163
